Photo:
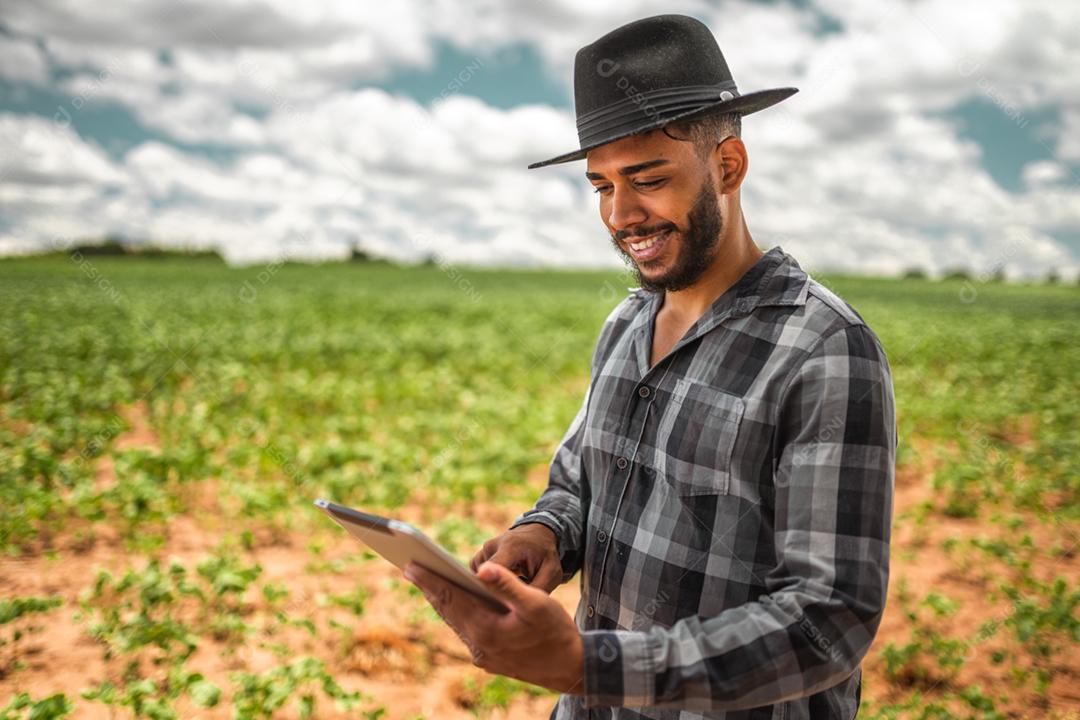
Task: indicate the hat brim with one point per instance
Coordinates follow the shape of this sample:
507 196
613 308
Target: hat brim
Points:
743 104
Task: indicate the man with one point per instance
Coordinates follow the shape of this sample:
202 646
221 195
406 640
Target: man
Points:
726 488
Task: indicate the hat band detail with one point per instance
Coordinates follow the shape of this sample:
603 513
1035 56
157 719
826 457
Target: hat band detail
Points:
651 104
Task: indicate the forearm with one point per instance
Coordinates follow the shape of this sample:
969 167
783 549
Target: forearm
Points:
559 510
788 644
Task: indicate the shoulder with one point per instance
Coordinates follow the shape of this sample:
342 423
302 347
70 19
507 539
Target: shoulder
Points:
821 333
824 318
620 319
624 314
830 306
825 327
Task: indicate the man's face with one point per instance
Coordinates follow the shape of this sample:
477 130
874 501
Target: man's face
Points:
661 210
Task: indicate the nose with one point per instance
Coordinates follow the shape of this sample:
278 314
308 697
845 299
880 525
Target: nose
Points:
625 210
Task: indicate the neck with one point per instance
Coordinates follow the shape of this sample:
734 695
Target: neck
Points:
735 254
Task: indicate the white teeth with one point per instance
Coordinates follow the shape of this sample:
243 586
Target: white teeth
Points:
638 247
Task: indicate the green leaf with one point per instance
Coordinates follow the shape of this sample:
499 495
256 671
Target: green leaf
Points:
204 693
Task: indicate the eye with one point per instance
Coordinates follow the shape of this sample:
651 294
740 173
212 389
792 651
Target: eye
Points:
651 183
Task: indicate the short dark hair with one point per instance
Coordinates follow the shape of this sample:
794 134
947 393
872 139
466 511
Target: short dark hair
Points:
707 131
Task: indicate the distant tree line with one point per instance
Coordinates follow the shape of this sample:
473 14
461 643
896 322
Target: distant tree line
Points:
114 247
118 247
998 276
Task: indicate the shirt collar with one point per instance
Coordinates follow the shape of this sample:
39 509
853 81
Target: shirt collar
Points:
774 280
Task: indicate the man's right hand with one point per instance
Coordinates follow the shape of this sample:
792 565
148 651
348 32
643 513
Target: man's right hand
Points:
530 550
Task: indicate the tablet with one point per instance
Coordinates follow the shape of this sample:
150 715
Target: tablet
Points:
401 543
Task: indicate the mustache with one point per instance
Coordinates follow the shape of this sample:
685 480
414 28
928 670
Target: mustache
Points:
623 234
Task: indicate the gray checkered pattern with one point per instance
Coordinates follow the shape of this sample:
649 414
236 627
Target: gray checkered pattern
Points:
732 529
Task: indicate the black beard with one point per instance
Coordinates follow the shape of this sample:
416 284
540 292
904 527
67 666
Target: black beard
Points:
696 252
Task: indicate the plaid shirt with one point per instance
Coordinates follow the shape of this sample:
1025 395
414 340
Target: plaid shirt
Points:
732 529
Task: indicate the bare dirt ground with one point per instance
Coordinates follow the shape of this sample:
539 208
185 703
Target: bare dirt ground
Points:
399 655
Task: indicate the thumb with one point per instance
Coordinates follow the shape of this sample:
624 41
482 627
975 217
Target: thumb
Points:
505 583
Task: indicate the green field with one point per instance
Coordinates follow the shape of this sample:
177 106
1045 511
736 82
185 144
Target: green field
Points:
146 401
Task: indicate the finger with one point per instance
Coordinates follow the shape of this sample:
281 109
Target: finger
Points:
437 591
478 559
454 605
510 560
517 564
506 584
549 577
489 548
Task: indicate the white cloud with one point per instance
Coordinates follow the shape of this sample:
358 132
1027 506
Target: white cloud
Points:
1042 173
21 60
450 195
49 154
164 23
1069 138
859 171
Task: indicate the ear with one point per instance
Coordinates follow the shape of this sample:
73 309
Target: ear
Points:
731 163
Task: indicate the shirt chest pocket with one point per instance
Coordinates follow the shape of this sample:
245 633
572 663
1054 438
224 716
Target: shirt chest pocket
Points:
695 437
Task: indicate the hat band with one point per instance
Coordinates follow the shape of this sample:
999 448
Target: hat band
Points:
652 104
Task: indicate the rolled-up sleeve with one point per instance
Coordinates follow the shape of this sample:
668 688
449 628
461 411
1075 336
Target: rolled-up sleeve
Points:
834 467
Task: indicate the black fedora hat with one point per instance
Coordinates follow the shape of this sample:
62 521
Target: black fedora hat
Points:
649 73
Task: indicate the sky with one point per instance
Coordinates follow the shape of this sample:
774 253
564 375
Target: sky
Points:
929 134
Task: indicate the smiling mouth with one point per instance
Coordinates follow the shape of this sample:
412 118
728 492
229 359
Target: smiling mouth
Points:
649 247
644 244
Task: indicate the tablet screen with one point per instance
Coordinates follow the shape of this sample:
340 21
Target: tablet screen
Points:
401 543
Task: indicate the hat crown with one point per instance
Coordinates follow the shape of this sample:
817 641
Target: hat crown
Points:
648 74
651 54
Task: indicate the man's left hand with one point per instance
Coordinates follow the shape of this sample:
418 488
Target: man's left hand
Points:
537 641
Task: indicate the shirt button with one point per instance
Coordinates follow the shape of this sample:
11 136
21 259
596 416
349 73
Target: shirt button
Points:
621 463
590 611
601 535
643 391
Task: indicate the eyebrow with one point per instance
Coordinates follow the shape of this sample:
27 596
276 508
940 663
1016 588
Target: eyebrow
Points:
631 169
